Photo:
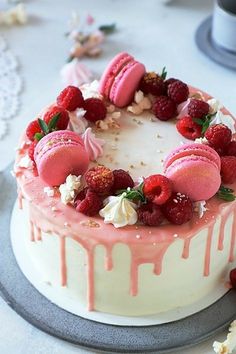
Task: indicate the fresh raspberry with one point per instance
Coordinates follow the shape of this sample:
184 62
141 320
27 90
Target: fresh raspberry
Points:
32 129
198 108
90 205
218 136
99 179
157 189
122 180
188 128
232 277
178 91
150 214
169 81
31 149
70 98
164 108
152 83
178 209
95 109
228 169
231 149
63 120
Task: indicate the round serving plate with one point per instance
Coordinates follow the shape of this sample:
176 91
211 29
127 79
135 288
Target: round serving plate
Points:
39 311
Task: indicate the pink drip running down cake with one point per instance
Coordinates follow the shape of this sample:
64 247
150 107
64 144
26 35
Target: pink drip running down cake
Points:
128 187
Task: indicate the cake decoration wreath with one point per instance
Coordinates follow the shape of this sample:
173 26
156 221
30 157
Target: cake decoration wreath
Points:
62 142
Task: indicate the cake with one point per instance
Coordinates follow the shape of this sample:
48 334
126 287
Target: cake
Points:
158 237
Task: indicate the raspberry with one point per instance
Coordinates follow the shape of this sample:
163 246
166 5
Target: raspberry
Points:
70 98
228 169
178 91
178 209
218 136
232 277
122 180
157 188
188 128
95 109
99 179
152 83
90 205
150 214
169 81
164 108
198 108
31 149
32 129
231 149
63 120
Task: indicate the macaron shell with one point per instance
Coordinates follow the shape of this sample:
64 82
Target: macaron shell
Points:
193 149
194 176
126 83
112 70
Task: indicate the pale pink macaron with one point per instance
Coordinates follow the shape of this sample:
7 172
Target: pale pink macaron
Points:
60 154
121 79
194 170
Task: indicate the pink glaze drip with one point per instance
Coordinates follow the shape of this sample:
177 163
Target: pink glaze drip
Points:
90 281
32 238
208 251
108 259
38 234
233 237
186 248
63 260
20 198
222 233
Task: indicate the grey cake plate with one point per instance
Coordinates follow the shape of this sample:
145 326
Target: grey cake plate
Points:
40 312
213 51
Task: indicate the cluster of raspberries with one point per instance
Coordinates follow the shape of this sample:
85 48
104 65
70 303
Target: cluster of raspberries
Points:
169 93
68 100
161 201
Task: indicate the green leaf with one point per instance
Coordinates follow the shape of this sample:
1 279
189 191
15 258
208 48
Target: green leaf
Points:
164 73
198 121
226 194
43 126
53 122
108 29
133 193
38 136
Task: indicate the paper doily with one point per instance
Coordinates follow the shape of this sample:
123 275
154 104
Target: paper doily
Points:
10 86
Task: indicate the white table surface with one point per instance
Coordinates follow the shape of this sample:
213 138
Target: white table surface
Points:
157 35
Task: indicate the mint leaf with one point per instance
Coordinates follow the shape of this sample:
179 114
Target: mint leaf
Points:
108 29
53 122
135 193
226 194
198 121
164 73
38 136
43 126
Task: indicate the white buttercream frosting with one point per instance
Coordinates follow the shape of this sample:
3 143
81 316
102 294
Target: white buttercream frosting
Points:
70 188
91 90
228 346
226 119
119 211
215 105
93 145
77 121
200 208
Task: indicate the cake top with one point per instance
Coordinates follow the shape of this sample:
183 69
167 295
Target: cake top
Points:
136 149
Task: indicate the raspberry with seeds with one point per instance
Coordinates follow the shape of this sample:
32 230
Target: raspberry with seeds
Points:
150 214
219 136
32 129
198 108
90 204
70 98
31 149
232 276
168 82
122 180
188 128
99 179
63 120
178 209
178 91
152 83
157 189
164 108
95 109
231 149
228 169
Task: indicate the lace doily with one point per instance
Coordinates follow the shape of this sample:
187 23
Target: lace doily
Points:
10 86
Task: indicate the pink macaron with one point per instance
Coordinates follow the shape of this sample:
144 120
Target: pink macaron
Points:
121 78
194 170
60 154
